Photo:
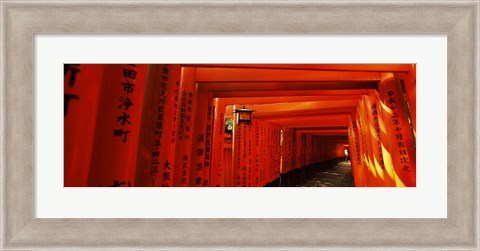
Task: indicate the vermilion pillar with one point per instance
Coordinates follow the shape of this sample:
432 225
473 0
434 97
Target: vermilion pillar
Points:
355 152
202 137
276 152
260 151
372 107
184 132
160 115
82 86
256 177
390 175
218 152
242 152
375 179
398 132
287 150
118 125
309 148
208 141
411 89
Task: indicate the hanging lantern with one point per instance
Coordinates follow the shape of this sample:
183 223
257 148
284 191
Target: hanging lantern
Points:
244 115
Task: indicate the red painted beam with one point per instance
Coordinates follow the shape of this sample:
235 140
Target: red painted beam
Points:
275 86
277 93
210 75
311 121
329 67
310 112
286 99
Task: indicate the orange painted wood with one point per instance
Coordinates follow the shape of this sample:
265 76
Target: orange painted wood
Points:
237 162
201 142
209 141
256 158
277 152
390 175
332 67
287 145
309 121
184 133
289 86
217 173
250 150
288 99
168 162
356 158
326 132
364 123
260 151
228 177
371 105
306 113
82 86
411 88
294 107
270 153
276 93
243 152
118 125
303 114
156 162
400 136
210 75
308 149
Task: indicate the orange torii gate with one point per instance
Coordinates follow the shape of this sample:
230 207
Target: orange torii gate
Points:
175 129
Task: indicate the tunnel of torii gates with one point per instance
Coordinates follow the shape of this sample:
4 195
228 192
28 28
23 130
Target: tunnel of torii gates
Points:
165 125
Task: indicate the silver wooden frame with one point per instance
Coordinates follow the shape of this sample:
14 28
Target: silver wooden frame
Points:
20 20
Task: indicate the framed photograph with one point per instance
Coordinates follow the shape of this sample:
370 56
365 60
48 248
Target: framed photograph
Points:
48 204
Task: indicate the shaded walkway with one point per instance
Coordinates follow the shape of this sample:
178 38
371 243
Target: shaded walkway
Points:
339 175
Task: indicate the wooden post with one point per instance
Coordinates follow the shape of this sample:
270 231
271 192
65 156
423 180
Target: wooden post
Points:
82 86
118 119
400 137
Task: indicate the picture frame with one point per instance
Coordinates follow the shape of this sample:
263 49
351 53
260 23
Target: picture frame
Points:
21 20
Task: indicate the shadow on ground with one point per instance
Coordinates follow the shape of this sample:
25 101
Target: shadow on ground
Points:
339 175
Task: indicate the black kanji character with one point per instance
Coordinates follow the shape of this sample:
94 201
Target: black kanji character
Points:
119 133
391 101
166 176
123 119
66 101
73 72
128 87
125 102
118 184
399 137
166 165
129 73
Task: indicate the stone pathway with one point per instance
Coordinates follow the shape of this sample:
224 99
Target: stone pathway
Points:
339 175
